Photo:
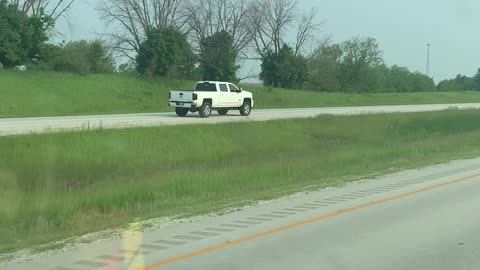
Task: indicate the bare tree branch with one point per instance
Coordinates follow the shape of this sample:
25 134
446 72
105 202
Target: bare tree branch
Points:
53 8
321 44
268 22
207 17
271 19
129 21
305 31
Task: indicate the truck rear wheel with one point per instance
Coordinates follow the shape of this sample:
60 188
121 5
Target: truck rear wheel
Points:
222 112
181 111
246 108
206 110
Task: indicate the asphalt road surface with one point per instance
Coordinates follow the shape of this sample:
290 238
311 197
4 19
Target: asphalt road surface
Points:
13 126
422 219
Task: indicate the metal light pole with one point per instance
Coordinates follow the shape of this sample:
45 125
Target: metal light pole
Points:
428 60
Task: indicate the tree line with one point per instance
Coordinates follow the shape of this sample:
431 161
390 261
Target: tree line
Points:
357 65
461 83
209 40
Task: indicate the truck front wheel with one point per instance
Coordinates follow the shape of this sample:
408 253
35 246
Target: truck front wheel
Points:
205 110
181 111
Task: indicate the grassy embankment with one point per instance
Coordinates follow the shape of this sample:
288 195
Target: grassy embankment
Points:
57 185
52 94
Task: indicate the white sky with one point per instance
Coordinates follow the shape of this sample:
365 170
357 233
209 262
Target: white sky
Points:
403 29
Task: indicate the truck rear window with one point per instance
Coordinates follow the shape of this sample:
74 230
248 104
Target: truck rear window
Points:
206 87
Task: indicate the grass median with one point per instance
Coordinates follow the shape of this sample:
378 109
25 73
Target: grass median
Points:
54 186
26 94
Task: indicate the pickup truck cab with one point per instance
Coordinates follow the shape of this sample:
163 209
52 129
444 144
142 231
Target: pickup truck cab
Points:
208 96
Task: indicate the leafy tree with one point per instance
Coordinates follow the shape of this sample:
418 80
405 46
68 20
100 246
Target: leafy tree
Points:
357 66
324 68
217 58
49 54
359 56
84 57
165 52
374 79
99 58
400 79
284 69
422 83
460 83
21 36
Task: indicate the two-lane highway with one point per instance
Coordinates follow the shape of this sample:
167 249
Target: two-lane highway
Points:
13 126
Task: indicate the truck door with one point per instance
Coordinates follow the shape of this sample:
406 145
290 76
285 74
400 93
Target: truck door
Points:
223 95
235 98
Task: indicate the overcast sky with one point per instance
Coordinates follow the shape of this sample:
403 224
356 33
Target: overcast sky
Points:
402 27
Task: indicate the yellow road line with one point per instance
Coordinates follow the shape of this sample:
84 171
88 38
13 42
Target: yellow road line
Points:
300 224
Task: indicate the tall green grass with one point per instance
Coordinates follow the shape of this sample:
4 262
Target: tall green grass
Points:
50 94
58 185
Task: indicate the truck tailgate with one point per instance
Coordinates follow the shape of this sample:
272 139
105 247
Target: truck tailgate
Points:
184 96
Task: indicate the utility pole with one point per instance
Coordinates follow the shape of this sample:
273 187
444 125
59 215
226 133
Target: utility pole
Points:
428 60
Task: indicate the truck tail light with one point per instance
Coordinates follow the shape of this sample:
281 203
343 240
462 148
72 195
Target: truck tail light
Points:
194 96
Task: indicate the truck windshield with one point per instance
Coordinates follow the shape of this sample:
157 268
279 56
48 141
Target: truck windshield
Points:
206 87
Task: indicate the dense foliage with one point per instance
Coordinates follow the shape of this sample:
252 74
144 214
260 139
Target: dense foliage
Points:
165 52
357 66
283 69
22 37
83 57
217 58
461 83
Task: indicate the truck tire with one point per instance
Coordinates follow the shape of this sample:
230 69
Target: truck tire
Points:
246 108
181 111
206 110
222 112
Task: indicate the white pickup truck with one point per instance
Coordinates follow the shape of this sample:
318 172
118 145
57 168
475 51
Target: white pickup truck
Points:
208 96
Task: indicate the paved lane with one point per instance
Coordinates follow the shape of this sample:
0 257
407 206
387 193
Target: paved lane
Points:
437 230
419 219
12 126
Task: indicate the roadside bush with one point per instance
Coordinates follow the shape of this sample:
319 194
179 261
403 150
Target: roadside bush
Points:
284 69
460 83
83 57
127 68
